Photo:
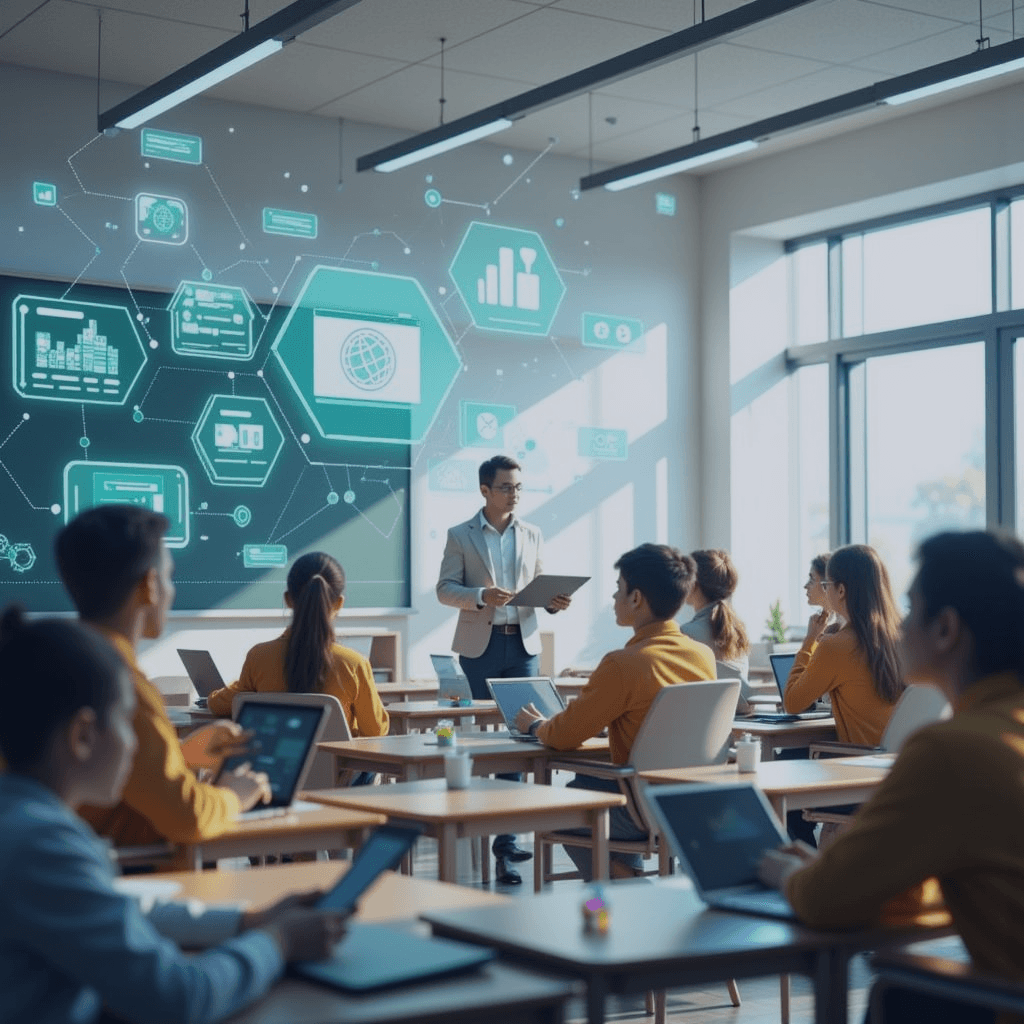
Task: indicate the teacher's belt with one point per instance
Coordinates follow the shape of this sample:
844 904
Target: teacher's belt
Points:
510 630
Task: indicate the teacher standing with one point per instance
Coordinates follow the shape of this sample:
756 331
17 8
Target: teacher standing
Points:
487 560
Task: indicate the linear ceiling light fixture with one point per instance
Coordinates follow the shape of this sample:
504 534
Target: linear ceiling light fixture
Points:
951 74
238 53
501 115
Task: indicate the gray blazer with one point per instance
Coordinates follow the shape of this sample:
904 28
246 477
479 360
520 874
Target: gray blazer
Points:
466 567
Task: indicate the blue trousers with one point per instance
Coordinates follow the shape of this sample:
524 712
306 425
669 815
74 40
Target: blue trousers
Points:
505 657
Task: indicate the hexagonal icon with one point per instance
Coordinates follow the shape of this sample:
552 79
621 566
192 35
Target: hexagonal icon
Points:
507 279
367 355
212 321
237 440
71 351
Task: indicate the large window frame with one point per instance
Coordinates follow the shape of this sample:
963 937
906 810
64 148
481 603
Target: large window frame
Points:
847 356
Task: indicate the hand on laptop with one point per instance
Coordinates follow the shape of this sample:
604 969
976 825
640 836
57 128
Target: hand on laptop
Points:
527 716
266 917
208 745
559 603
250 787
776 866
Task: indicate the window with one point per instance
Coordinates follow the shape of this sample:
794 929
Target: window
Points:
810 294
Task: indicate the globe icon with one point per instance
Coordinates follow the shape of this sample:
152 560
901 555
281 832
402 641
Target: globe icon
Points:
368 359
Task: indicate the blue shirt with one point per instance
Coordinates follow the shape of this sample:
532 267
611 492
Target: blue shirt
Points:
71 945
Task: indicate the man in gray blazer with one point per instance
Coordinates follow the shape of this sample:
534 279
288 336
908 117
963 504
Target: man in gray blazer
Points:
487 560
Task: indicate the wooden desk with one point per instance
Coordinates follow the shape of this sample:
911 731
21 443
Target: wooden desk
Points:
425 714
791 785
498 990
328 828
662 936
785 734
419 689
489 807
418 756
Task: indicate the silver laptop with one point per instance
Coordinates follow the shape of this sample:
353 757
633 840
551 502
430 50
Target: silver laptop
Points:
283 745
360 643
782 664
511 695
452 682
719 833
202 671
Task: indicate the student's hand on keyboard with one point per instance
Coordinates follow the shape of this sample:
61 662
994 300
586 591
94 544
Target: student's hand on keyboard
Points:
250 787
527 716
307 934
266 917
208 745
776 866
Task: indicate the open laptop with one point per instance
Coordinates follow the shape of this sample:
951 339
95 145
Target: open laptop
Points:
452 682
375 956
719 833
283 745
202 671
511 695
781 666
360 643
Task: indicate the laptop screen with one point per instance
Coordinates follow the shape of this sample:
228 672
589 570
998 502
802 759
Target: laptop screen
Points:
781 664
282 737
202 671
513 694
386 846
720 831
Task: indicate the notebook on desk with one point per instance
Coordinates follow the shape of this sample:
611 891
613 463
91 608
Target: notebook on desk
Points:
283 746
512 695
719 833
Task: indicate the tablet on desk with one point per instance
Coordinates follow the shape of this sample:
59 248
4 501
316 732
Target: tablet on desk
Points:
542 590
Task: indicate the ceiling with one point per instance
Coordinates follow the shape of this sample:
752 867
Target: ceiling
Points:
379 62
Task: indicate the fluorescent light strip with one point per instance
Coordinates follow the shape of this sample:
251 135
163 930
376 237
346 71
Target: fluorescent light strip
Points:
201 84
955 83
680 165
444 145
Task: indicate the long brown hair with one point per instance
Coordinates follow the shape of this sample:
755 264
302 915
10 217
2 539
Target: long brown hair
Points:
717 579
874 616
316 582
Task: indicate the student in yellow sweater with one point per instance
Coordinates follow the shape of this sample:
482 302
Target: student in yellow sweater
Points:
654 581
859 666
116 568
306 658
952 807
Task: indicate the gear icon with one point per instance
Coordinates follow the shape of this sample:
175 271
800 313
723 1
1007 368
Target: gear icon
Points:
21 557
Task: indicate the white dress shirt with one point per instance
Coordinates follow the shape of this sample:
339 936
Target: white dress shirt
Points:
502 550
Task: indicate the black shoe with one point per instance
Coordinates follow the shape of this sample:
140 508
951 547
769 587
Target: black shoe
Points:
513 853
505 874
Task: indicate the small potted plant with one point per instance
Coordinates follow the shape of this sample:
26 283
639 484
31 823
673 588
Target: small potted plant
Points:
775 625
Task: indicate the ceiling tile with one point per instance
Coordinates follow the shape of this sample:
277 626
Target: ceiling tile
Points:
797 93
666 15
955 42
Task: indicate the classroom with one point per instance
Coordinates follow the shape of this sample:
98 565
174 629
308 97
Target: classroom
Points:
723 275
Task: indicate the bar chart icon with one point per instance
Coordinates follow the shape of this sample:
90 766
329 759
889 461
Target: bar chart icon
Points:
507 279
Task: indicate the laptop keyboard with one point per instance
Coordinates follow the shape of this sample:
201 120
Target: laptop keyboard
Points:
259 813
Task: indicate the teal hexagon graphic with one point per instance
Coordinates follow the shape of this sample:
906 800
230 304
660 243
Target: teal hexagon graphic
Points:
507 279
237 440
69 351
367 355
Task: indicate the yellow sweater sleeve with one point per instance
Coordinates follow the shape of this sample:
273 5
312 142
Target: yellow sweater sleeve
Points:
164 789
812 675
371 717
600 702
219 702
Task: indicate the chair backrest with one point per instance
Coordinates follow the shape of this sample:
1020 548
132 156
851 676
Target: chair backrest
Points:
687 724
920 705
322 772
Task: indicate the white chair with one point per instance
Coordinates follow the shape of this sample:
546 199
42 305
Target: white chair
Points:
687 724
322 773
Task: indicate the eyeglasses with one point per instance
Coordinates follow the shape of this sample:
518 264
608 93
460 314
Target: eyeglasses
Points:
824 584
508 488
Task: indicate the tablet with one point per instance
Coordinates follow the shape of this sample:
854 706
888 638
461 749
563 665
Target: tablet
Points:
542 590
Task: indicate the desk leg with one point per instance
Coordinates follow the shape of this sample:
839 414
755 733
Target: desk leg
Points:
779 807
596 995
599 830
831 980
447 859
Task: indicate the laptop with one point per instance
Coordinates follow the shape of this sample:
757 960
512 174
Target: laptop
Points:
452 682
203 672
511 695
360 643
375 956
719 833
781 666
283 745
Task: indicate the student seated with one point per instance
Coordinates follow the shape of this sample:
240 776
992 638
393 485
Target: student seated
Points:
71 947
858 666
116 568
952 807
816 589
306 658
654 580
715 623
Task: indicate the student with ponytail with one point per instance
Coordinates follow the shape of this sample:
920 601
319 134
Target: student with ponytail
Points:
306 658
947 824
715 623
